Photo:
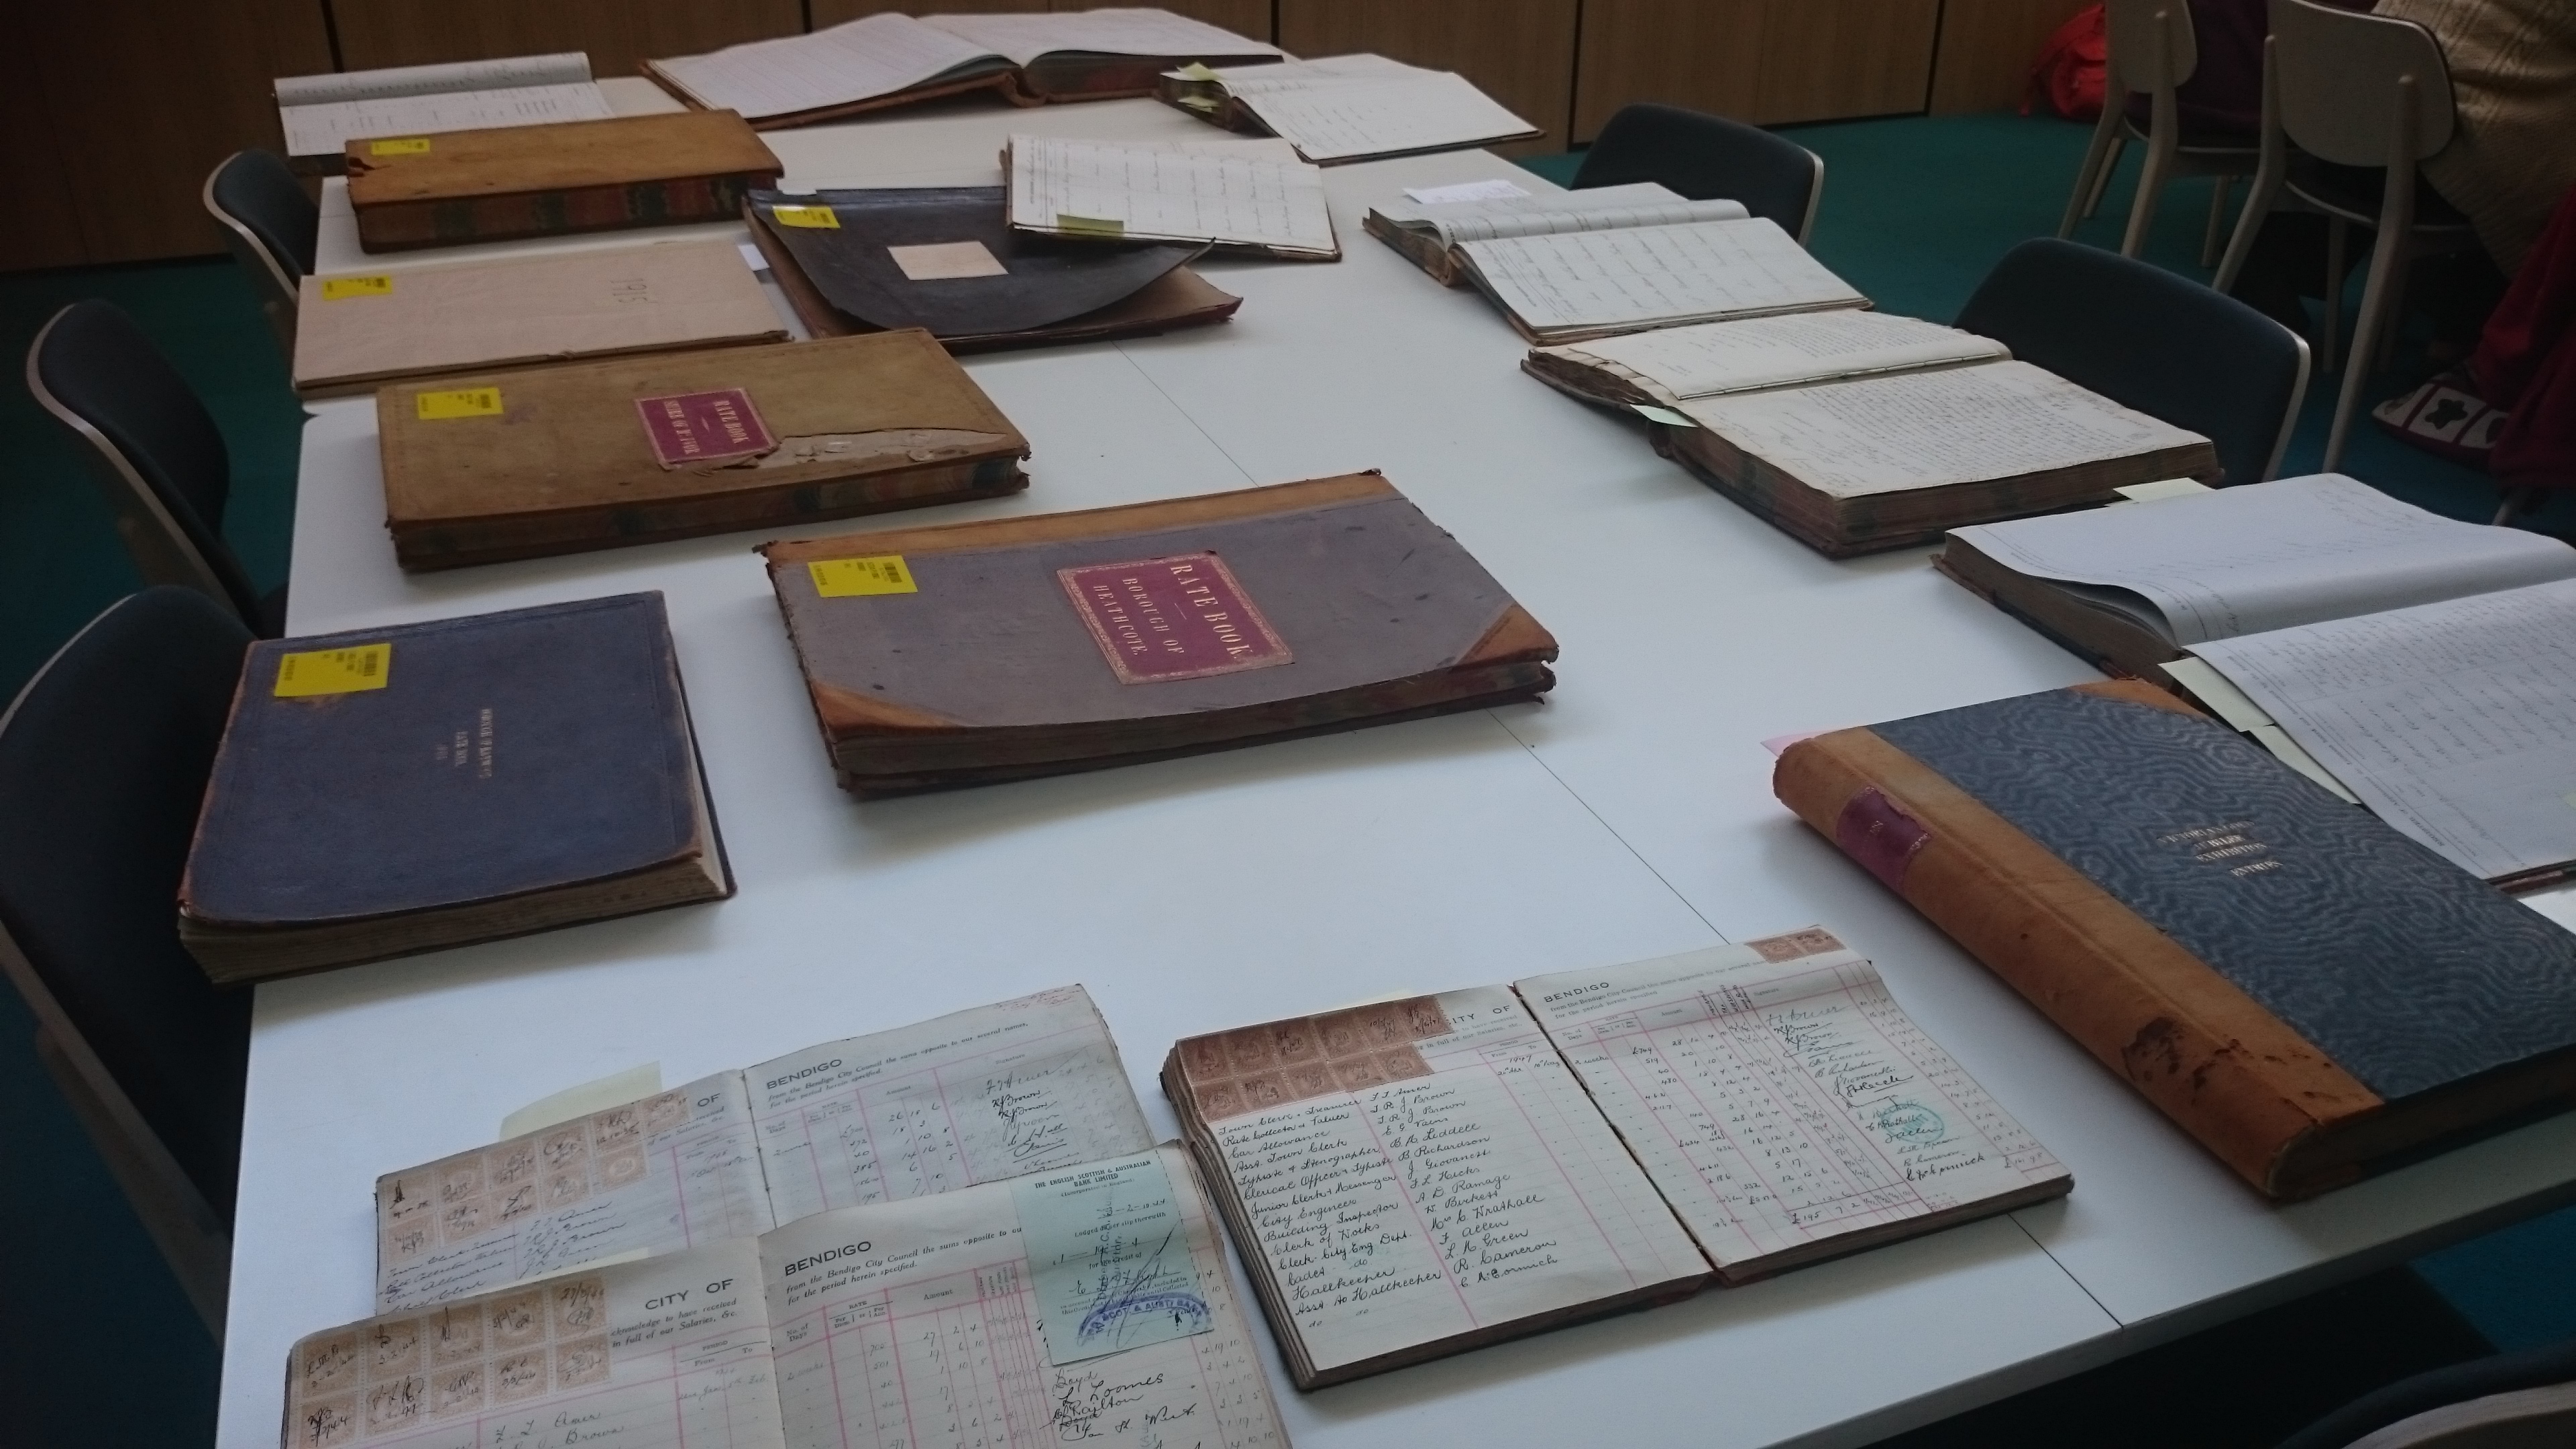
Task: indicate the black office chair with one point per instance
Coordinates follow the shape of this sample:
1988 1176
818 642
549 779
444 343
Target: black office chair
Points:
2510 1401
154 451
2147 339
1707 158
103 760
269 226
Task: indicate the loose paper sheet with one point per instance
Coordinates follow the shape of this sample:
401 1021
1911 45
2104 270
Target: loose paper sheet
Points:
1108 1258
1711 358
1237 192
946 261
1647 276
916 1324
1779 1096
1931 429
1602 207
872 56
2272 555
320 129
2455 721
1490 189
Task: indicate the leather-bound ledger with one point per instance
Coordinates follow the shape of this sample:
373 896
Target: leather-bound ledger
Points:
977 652
2312 995
574 176
552 460
387 791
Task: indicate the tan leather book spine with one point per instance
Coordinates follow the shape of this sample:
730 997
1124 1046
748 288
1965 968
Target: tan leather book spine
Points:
2266 1101
577 176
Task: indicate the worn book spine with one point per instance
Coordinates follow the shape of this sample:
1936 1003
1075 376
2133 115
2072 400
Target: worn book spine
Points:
1421 248
1001 82
393 226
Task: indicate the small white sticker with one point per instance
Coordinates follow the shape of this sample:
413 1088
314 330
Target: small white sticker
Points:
752 258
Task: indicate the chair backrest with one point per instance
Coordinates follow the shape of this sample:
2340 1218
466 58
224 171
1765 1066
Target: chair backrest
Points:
269 226
153 447
2150 340
2153 45
2520 1400
103 762
1708 158
2338 75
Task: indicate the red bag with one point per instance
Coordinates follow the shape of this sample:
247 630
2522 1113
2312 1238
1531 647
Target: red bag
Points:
2073 69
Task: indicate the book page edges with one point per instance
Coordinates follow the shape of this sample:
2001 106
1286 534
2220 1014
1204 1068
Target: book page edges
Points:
2251 1089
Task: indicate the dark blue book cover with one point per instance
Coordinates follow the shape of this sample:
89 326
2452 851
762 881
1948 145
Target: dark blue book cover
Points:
451 762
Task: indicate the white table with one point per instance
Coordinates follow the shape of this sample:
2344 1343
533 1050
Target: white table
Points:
1628 816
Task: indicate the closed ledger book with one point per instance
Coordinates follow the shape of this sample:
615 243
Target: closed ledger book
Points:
1085 1305
547 180
978 652
945 260
2311 994
549 460
387 791
1416 1178
354 332
1429 234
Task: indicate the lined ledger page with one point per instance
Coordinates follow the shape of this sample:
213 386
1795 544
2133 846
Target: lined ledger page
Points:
1710 358
1636 277
1245 193
1780 1097
1375 111
926 1323
875 55
2273 555
665 1354
672 1171
988 1093
569 67
1601 207
1425 1169
2455 722
1930 429
321 129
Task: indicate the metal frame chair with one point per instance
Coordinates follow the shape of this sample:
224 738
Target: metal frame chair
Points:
1707 158
2153 50
2351 89
269 226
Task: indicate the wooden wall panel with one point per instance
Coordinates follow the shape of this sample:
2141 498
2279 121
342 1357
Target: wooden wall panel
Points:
145 96
43 229
1517 50
1763 61
619 34
833 12
1243 17
1987 47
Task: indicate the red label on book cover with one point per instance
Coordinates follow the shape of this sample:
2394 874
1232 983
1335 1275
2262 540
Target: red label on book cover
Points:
704 427
1180 617
1877 832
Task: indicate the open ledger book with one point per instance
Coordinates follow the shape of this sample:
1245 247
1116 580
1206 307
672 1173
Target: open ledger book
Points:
979 1095
886 60
1429 233
1087 1305
1671 365
320 113
1417 1178
1251 196
2421 666
1577 285
1348 107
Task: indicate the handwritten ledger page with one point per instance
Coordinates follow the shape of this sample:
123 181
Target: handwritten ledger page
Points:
1703 360
875 55
1237 193
672 1171
1416 1177
1088 1307
1601 207
1596 282
1784 1103
655 1355
1932 429
1388 109
2455 722
992 1092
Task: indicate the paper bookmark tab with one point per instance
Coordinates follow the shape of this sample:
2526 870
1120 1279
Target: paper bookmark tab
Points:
1666 416
1089 225
819 218
461 402
1109 1258
334 671
335 288
851 578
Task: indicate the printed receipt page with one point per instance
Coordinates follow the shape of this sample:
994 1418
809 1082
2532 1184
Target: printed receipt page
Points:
987 1093
656 1355
1480 1189
1709 358
2274 555
1633 276
1780 1097
1251 193
2455 722
944 1320
674 1170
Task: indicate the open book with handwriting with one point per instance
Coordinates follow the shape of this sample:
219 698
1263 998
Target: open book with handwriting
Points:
1670 366
1089 1305
1570 286
1429 233
1249 196
1347 107
1416 1178
993 1092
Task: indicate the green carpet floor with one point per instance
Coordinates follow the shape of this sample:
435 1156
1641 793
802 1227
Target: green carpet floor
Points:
1915 211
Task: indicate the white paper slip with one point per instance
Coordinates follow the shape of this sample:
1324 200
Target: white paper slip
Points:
1711 358
1109 1258
1491 189
1635 277
1227 193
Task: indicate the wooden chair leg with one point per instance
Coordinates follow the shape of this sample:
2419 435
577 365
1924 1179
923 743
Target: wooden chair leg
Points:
2330 326
2218 188
2376 294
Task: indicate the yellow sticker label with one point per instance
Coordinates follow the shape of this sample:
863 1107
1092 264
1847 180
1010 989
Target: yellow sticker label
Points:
400 146
1198 71
463 402
845 578
1090 225
334 671
822 217
335 288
